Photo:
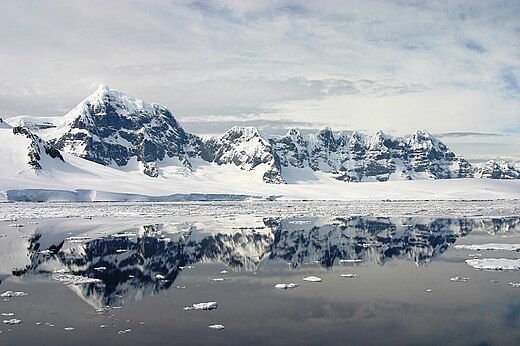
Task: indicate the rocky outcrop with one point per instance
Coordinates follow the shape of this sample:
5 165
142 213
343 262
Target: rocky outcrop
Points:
37 148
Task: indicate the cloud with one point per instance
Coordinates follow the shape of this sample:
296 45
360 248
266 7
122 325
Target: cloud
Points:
441 66
467 134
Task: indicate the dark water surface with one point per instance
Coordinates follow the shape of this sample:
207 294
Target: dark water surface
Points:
149 271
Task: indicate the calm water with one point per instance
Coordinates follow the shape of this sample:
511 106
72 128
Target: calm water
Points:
149 271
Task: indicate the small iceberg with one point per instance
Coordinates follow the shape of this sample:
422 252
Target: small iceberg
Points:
70 279
10 294
494 263
285 286
216 326
312 279
202 306
459 279
12 321
343 261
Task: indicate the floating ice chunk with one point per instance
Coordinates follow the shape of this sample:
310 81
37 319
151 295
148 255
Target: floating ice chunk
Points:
491 246
349 275
459 279
494 264
77 238
12 321
202 306
312 279
10 294
343 261
69 329
216 326
124 235
61 271
70 279
284 286
515 284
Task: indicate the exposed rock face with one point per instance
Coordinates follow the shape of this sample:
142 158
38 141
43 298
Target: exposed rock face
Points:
112 128
496 169
37 148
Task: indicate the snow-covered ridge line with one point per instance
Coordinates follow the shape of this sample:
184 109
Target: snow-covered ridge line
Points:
115 129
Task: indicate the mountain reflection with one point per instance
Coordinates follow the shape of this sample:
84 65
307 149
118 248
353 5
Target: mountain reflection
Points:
135 265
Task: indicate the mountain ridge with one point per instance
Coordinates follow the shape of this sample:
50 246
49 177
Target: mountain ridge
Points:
113 128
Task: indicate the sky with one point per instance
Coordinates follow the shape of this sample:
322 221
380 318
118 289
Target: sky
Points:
448 67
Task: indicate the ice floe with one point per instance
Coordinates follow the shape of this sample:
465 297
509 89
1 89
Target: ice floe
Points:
70 279
494 263
491 246
12 321
202 306
10 294
216 326
312 279
459 279
344 261
286 286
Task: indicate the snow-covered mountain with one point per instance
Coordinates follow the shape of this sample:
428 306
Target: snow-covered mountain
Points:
499 169
118 130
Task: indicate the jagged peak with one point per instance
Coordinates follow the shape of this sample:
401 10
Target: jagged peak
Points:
245 132
126 104
293 132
